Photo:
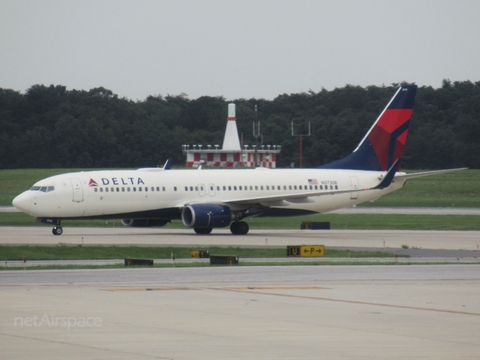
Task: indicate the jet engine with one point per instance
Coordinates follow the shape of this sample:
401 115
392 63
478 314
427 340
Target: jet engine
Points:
206 216
144 222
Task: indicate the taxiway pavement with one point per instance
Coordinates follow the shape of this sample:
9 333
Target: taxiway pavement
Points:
451 240
301 312
308 312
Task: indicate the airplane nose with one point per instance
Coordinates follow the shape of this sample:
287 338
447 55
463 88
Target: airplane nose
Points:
22 202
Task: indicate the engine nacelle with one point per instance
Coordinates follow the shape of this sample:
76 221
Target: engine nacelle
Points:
144 222
206 216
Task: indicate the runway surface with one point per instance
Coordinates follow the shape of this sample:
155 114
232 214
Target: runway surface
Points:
451 240
301 312
308 312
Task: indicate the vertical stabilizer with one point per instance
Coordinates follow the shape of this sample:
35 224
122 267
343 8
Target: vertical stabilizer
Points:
231 141
384 143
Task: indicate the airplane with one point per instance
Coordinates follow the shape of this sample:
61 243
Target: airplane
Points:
215 198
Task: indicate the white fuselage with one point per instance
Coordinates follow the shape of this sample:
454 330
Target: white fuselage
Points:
106 193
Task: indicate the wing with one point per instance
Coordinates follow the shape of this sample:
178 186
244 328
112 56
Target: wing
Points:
284 199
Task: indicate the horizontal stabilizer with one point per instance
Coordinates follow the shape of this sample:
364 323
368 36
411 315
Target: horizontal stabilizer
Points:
425 173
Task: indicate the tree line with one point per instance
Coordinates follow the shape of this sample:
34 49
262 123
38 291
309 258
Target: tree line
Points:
52 127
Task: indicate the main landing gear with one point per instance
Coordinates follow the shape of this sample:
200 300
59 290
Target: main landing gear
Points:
239 228
57 230
236 227
202 231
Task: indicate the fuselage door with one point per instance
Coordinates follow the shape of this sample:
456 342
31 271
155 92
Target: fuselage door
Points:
77 190
354 183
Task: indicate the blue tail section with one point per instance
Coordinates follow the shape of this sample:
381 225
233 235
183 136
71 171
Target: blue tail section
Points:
384 143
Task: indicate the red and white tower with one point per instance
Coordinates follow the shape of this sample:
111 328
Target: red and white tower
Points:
230 140
231 154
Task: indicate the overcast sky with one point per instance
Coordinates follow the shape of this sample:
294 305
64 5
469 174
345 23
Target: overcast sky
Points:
236 49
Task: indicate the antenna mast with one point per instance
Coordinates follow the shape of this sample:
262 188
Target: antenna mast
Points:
301 142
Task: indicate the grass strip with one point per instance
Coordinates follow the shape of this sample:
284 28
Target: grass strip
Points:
337 221
92 252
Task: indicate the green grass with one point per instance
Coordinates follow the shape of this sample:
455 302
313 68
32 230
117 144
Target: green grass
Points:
338 222
68 252
455 189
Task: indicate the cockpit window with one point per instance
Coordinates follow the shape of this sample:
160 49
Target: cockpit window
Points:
42 188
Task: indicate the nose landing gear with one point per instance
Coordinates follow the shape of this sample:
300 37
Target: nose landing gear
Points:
57 230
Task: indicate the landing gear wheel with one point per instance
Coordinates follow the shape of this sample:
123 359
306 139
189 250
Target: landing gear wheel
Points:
202 231
57 230
239 228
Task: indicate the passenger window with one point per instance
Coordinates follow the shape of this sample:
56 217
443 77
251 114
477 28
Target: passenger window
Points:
163 188
174 188
146 188
96 190
118 189
128 189
123 189
134 189
196 188
290 187
101 189
139 188
106 189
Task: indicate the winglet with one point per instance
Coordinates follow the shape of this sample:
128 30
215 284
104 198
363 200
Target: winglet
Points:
387 180
168 164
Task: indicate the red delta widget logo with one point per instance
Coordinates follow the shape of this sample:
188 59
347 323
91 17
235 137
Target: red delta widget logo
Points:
118 181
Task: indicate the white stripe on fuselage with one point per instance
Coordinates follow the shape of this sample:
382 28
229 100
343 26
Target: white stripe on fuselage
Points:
127 191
